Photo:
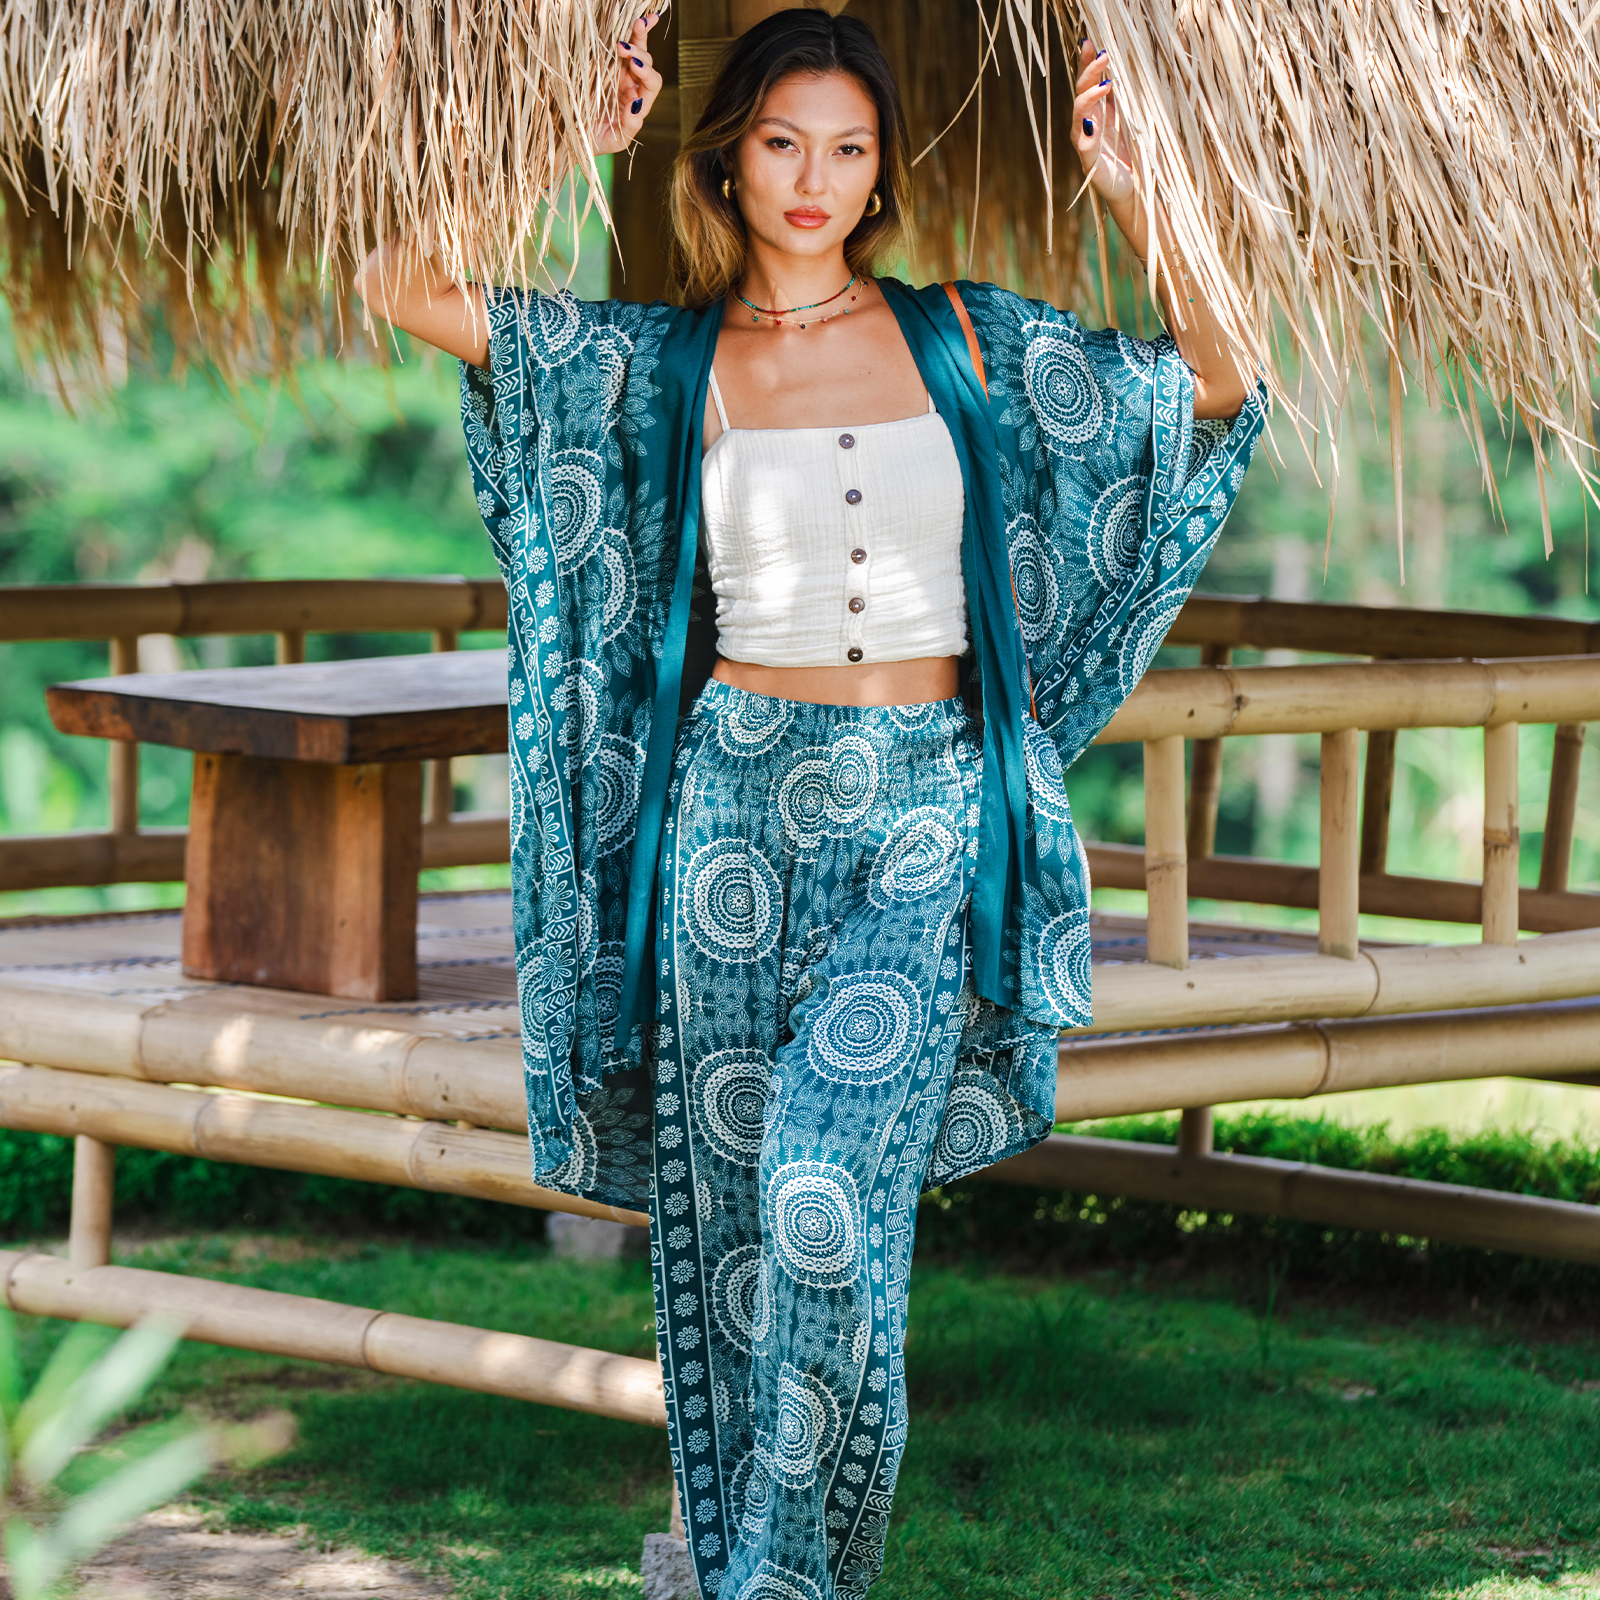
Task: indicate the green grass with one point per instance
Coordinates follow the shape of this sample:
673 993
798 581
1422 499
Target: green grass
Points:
1088 1437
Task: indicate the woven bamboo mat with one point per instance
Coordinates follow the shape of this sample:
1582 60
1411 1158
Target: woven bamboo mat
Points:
464 957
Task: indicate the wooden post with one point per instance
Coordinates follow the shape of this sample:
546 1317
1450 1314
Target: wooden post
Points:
1338 881
675 1523
1566 760
1500 834
640 181
1205 772
441 790
1377 798
705 31
1195 1128
124 755
303 875
1166 862
290 647
93 1184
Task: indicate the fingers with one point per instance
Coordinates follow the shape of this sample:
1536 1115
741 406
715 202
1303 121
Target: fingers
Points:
1090 111
640 82
1092 66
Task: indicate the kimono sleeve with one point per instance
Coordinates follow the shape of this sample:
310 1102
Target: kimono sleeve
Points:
1115 495
531 336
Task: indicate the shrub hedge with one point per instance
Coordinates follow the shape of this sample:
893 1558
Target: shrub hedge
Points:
156 1189
1021 1226
972 1219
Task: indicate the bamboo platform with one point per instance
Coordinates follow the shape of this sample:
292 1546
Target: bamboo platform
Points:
112 1045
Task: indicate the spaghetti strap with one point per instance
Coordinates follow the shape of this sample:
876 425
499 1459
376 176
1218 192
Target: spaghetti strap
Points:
716 400
933 410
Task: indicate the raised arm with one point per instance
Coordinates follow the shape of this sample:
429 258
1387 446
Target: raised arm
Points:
1219 387
412 291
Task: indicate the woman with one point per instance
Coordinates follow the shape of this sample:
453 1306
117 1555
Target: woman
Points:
790 958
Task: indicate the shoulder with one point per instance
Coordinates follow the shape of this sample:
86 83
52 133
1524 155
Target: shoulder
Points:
1004 312
1023 334
555 330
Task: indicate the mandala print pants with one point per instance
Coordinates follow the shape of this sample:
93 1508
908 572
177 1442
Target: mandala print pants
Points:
816 877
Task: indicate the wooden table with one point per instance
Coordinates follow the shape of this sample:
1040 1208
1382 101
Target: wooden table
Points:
305 819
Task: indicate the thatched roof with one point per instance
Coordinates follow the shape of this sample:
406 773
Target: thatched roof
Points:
1426 169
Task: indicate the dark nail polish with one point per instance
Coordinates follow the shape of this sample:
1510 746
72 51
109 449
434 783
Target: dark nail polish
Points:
636 105
1101 54
622 44
637 62
1088 127
1103 81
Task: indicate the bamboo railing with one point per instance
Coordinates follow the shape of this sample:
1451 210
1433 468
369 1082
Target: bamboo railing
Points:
289 609
434 1114
447 607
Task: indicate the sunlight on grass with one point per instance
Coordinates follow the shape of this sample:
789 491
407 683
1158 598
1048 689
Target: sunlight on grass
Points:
1545 1110
1579 1585
1070 1438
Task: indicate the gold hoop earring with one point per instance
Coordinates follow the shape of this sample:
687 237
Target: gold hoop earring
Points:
727 188
875 204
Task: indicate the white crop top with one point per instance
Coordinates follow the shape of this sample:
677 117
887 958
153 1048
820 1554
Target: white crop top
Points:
833 546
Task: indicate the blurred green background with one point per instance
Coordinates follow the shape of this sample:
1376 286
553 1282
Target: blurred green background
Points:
357 468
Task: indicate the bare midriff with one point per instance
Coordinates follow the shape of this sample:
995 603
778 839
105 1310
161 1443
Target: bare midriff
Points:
879 683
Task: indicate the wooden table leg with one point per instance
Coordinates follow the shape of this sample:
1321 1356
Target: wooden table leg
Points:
303 875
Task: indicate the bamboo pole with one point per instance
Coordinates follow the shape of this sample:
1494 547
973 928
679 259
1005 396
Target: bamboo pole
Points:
309 605
1451 1213
1380 982
1338 886
123 755
1128 1077
265 1042
440 790
156 855
1213 702
1377 801
1205 773
1566 762
1245 621
93 1190
286 1137
1165 859
1501 836
1286 883
510 1364
350 605
1196 1125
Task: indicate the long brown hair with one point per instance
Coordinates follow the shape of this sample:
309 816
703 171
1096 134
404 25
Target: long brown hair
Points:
708 233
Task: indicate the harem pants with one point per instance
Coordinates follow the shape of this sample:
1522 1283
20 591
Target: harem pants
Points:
816 876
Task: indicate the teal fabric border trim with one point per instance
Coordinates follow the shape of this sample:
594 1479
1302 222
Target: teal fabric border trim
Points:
1006 856
685 361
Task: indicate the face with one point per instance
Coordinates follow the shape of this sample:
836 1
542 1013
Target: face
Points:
806 169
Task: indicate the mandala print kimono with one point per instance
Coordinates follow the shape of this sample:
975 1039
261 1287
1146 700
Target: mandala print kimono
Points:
678 878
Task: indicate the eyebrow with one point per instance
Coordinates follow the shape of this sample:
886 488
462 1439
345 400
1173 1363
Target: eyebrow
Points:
793 127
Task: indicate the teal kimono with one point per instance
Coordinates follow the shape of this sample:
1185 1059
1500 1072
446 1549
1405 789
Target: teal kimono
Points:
1093 498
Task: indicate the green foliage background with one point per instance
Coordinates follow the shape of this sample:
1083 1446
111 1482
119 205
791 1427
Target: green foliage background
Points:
357 469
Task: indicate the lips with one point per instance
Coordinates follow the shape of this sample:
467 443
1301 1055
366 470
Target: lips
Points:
806 217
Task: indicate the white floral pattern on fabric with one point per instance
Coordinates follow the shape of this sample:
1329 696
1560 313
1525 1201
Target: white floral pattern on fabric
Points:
806 1098
1111 497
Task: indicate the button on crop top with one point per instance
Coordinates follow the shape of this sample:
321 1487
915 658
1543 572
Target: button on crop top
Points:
833 546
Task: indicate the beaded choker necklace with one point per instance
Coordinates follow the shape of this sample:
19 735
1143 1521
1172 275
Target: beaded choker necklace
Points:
777 315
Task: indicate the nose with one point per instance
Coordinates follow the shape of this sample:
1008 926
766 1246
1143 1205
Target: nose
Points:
813 178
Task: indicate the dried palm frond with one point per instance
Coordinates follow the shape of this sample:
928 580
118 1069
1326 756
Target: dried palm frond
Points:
1430 170
996 172
233 160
